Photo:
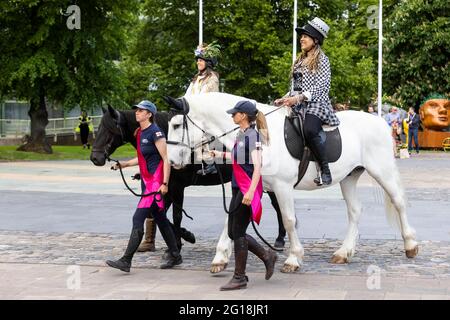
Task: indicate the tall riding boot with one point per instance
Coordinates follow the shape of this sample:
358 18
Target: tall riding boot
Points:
239 280
317 146
174 257
149 238
124 263
269 257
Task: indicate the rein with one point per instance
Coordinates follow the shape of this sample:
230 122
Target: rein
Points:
154 194
212 139
229 211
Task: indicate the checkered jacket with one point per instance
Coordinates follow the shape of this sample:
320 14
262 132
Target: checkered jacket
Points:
315 87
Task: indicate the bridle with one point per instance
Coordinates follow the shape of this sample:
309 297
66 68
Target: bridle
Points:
186 118
108 146
184 111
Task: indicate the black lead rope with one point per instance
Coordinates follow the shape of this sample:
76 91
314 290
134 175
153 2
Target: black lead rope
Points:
154 194
229 211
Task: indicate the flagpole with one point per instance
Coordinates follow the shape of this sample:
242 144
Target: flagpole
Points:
380 55
200 23
294 34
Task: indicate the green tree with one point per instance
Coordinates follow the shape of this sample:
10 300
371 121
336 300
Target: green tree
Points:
255 36
43 60
416 60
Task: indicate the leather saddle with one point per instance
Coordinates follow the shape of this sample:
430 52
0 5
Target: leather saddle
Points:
296 145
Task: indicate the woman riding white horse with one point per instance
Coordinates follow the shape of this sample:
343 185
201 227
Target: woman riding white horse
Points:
366 143
311 76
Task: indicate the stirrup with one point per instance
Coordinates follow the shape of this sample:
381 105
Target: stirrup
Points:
318 180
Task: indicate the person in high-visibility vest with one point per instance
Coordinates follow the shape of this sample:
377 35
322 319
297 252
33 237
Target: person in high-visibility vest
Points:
83 128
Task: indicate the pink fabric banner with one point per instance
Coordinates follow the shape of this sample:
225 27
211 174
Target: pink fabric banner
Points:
153 181
244 182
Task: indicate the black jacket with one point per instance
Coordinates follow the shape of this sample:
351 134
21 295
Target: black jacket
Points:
414 121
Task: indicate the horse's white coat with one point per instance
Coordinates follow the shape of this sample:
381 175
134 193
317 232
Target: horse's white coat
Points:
366 142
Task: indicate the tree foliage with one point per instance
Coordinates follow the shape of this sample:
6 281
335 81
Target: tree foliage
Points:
42 60
417 53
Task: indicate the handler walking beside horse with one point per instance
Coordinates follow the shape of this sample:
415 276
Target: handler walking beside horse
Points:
154 168
247 191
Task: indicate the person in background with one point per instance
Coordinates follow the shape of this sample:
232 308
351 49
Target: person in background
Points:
413 121
84 127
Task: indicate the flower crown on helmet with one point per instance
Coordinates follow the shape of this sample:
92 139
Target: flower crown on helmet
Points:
209 53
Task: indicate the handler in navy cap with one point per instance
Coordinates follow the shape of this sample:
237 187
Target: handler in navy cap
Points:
246 191
154 168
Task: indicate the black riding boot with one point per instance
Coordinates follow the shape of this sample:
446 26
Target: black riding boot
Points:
269 257
124 263
317 146
174 257
239 280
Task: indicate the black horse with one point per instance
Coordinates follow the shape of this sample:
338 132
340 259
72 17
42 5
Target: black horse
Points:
117 128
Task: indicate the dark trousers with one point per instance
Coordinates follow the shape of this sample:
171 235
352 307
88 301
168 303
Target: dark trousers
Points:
239 218
153 212
413 133
162 222
313 127
84 133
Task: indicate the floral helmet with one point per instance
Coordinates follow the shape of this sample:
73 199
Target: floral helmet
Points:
209 53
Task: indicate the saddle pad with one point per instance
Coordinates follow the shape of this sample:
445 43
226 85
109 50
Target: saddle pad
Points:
295 142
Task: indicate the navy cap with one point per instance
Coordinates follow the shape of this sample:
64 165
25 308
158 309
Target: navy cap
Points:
147 105
244 106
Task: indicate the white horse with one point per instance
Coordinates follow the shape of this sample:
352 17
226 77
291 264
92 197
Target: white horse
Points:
366 143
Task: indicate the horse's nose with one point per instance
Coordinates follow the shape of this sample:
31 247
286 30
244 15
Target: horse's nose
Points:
95 160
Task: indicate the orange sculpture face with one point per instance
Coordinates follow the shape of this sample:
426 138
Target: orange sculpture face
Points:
435 113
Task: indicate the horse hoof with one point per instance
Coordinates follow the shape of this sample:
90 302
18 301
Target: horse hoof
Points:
279 243
413 252
287 268
338 259
218 267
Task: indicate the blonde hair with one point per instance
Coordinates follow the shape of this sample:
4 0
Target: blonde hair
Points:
311 62
261 124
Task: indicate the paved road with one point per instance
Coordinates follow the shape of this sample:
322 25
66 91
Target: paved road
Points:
59 215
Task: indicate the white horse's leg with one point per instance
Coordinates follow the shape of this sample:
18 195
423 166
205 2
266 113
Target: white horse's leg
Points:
223 251
286 201
348 187
389 178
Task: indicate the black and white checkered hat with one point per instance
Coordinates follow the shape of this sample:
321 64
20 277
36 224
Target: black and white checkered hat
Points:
316 28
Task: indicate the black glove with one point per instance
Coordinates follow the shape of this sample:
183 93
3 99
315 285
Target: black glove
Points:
137 176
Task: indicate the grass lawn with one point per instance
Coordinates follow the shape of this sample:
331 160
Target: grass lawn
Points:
9 153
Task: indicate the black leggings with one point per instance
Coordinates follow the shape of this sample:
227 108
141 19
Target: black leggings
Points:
153 212
84 133
313 126
239 218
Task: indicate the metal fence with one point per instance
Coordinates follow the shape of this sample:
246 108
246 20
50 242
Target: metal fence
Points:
13 128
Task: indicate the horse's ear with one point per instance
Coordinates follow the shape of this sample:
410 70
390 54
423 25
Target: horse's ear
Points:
177 104
112 112
103 110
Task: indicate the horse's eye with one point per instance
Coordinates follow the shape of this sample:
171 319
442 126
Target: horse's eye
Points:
176 126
